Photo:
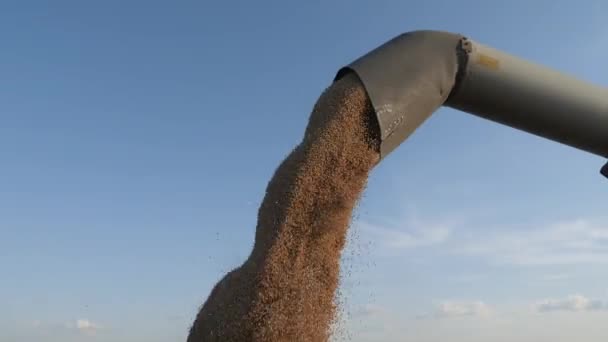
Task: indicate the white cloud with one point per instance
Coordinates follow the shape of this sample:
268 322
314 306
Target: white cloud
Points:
573 242
65 328
463 309
555 277
459 309
574 303
84 326
408 235
561 243
370 310
469 278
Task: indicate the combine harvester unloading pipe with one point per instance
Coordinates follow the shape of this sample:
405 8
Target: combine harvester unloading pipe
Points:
412 75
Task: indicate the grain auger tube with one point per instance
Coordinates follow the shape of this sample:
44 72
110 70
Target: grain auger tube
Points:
412 75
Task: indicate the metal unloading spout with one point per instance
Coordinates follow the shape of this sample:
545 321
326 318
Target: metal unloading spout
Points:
412 75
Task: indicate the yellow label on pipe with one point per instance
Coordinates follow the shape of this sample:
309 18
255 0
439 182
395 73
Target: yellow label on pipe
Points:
488 61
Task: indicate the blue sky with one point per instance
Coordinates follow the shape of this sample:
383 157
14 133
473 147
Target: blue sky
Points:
137 138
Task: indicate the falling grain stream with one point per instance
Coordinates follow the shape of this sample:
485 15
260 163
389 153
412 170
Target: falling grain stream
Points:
285 290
